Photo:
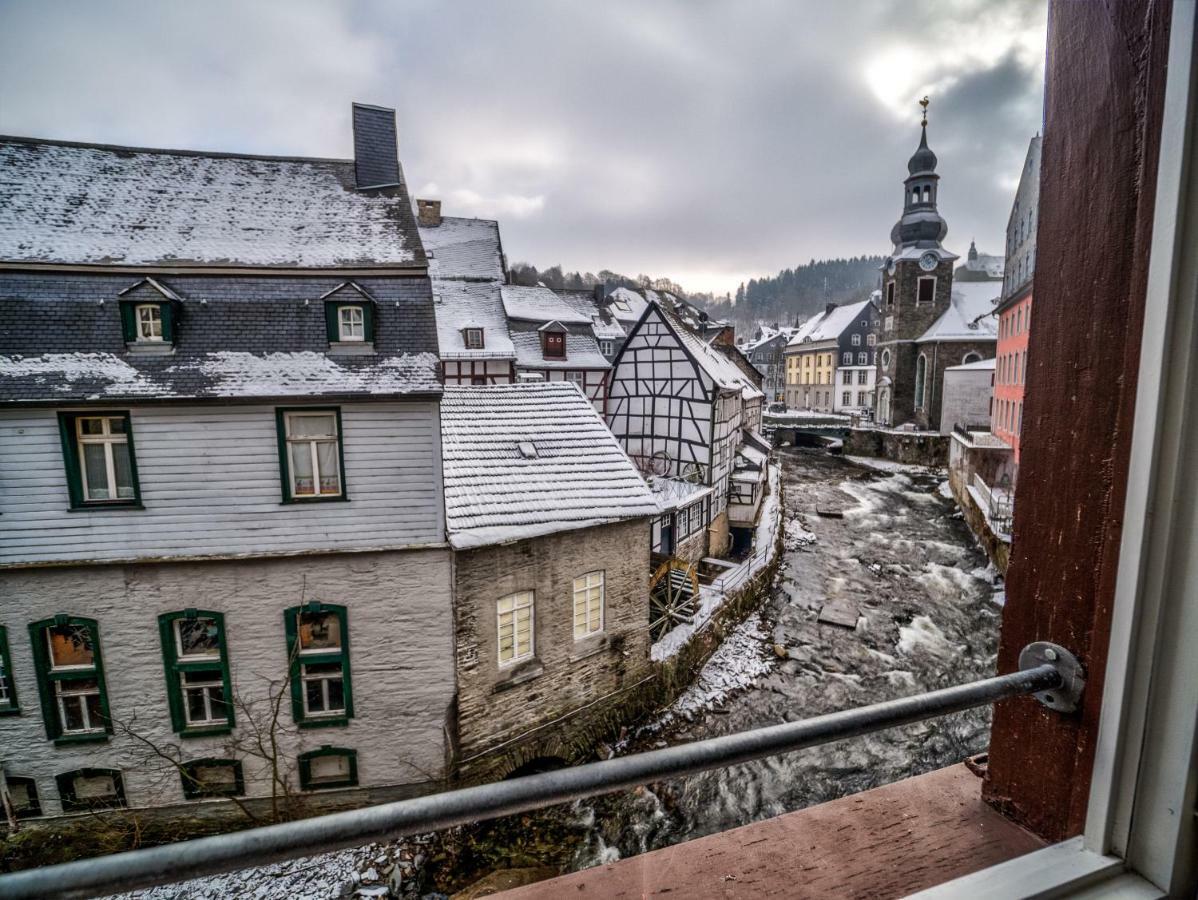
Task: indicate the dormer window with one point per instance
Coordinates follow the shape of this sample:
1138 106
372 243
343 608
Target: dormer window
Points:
555 345
149 321
351 323
474 338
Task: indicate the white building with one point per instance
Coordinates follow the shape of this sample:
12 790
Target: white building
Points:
968 396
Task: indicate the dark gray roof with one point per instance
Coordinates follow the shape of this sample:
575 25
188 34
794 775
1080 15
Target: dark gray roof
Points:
240 337
101 205
464 249
376 163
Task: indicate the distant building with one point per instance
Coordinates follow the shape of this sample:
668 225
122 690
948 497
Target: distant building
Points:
549 524
765 352
979 266
830 355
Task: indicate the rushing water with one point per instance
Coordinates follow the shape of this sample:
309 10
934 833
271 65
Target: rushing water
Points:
929 617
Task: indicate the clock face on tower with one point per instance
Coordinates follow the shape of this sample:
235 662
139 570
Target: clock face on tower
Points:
928 261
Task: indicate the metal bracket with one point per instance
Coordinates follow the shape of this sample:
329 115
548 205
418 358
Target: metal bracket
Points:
1073 681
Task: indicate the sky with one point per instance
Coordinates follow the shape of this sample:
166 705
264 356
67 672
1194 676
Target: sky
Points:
709 142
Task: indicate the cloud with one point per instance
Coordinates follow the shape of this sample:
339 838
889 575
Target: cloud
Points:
704 141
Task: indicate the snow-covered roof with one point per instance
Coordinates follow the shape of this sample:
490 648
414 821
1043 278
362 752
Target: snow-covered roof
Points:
827 326
723 371
582 350
917 252
970 315
988 263
577 475
101 205
540 304
609 329
978 366
463 248
627 306
672 493
471 304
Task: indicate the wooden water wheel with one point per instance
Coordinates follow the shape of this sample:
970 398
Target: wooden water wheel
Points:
673 596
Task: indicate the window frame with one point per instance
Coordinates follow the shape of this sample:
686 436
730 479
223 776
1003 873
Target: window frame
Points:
8 678
332 321
304 761
174 668
551 352
131 322
531 606
297 658
468 335
342 324
919 282
281 418
47 679
138 323
602 585
34 811
72 804
607 347
68 431
193 790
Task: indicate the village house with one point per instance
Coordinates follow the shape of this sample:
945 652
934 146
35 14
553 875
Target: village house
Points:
549 522
979 266
968 394
830 356
677 406
928 323
467 266
220 493
766 354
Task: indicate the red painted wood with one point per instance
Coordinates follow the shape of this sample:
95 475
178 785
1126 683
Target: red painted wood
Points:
1104 92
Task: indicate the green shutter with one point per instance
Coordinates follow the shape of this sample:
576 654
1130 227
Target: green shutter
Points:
70 459
291 629
330 320
290 625
41 666
128 321
136 501
174 694
167 310
13 708
368 321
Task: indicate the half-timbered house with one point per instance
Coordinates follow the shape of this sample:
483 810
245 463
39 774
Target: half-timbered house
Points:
220 484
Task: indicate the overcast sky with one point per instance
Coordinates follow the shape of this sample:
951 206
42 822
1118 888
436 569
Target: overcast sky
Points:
705 141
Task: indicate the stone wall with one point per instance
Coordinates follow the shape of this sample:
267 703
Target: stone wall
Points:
555 703
912 448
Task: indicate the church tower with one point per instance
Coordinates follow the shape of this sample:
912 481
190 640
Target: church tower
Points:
917 282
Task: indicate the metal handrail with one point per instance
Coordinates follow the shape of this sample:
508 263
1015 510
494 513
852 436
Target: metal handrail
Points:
1052 671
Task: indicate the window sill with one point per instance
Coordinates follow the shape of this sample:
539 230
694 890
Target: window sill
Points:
67 739
301 501
13 711
352 348
330 722
116 504
205 731
332 785
147 348
518 675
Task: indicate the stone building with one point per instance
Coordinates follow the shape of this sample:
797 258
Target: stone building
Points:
928 323
549 522
766 353
220 483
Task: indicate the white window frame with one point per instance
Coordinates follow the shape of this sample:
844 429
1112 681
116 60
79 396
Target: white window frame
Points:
317 656
474 339
106 439
520 601
313 443
577 377
214 678
348 322
590 589
606 347
67 691
856 339
871 340
154 318
921 280
1138 841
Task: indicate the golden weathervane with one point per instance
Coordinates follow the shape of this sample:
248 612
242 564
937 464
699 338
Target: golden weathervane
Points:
924 103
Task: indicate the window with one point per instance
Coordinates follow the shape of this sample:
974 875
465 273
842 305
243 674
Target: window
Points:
846 398
100 463
197 671
862 358
149 321
349 322
8 683
890 295
212 778
863 377
328 767
514 615
555 345
66 654
578 378
318 642
87 789
846 376
921 366
971 356
846 359
588 604
22 793
861 398
885 358
310 454
856 340
870 340
926 291
606 348
474 338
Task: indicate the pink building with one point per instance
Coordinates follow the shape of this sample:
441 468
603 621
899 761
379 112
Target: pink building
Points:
1010 372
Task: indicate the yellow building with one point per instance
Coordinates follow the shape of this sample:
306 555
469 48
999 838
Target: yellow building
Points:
809 375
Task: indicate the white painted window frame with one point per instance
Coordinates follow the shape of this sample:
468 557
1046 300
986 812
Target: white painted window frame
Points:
920 280
474 339
66 691
215 679
1140 830
347 325
313 443
154 318
106 440
584 593
521 600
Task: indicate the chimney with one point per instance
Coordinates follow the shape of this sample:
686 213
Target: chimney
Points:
828 309
376 150
428 213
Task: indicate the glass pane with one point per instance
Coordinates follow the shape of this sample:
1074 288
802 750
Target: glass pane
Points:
326 457
18 792
319 631
95 712
71 709
123 470
70 645
96 472
193 699
322 670
91 426
329 768
198 637
301 470
216 778
315 694
312 426
94 787
336 694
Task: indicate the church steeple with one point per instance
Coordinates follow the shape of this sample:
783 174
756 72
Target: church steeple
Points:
921 225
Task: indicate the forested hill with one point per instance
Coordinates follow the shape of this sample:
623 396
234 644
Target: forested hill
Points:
801 292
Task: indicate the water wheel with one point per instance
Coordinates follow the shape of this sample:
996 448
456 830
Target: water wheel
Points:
673 596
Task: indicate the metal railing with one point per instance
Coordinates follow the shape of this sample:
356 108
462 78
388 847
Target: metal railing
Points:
1048 671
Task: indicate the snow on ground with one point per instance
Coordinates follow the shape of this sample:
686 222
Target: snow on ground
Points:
796 414
795 535
945 490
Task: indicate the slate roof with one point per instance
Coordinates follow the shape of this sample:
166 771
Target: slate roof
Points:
238 338
723 371
970 315
463 248
579 477
72 203
827 326
582 350
477 304
540 304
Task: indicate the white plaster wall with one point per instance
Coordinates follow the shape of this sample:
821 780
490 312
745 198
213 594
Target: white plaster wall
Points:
966 398
401 661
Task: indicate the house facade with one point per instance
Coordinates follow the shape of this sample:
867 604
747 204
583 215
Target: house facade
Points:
967 396
549 521
221 483
828 359
766 353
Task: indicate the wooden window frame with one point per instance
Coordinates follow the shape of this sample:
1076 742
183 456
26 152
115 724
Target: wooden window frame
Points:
342 325
194 790
549 350
71 803
281 418
131 322
10 705
139 321
468 338
586 600
72 448
48 677
517 658
298 658
305 768
34 810
176 666
332 321
919 282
